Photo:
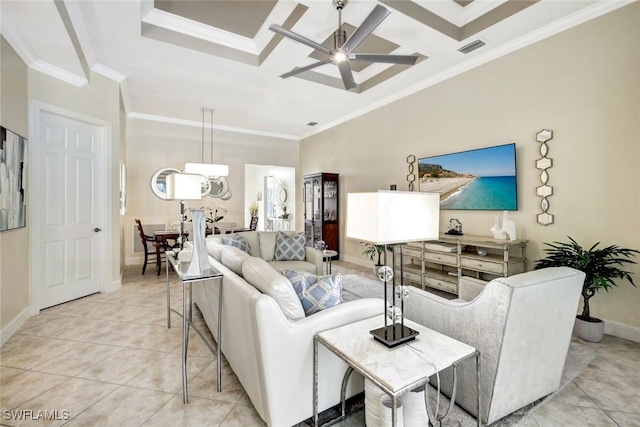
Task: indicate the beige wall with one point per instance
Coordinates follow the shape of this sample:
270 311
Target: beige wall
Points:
14 244
584 84
156 145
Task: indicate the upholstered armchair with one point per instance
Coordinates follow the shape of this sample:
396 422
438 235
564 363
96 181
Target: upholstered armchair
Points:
522 326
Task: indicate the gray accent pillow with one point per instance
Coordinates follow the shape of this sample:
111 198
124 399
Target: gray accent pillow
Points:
237 241
290 248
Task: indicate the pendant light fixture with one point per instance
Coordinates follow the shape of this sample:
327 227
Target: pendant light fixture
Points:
208 170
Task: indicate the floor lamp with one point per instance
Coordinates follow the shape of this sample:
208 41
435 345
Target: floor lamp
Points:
389 218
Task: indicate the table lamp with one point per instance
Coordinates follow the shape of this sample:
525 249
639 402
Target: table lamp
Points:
183 186
389 218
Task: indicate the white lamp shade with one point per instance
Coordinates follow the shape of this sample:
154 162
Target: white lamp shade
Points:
207 169
184 186
388 217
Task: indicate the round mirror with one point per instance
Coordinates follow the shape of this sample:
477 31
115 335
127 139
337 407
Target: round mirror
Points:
283 195
159 182
219 187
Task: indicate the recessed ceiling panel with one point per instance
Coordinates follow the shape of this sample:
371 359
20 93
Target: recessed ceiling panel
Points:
223 14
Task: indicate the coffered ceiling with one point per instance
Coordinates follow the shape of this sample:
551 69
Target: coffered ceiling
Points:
173 57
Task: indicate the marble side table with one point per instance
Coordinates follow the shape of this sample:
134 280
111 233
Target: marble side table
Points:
394 370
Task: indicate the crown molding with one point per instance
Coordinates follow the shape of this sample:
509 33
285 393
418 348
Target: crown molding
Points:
591 12
58 73
182 122
109 73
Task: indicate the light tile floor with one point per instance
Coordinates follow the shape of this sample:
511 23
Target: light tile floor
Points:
109 360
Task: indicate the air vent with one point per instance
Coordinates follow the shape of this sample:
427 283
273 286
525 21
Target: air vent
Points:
312 123
476 44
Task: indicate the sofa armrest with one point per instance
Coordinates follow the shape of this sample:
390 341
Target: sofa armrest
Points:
314 256
469 288
286 354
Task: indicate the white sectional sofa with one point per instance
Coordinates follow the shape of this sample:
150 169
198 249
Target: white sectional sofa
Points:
270 353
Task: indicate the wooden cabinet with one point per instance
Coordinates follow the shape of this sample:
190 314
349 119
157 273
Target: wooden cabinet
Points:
321 209
441 264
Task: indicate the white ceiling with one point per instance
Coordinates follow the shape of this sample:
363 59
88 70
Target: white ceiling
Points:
170 66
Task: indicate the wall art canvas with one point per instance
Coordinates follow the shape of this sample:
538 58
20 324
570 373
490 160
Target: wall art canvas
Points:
13 155
482 179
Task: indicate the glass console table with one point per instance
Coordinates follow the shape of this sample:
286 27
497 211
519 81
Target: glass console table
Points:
210 275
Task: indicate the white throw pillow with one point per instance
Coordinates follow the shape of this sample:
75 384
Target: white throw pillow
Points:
261 276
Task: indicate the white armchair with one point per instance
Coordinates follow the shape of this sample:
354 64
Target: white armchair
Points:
522 327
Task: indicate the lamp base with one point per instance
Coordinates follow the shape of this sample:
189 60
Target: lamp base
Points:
394 335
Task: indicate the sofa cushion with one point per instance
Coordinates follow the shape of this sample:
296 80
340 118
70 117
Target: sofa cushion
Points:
254 243
293 265
264 278
214 247
267 244
290 248
233 258
315 292
237 241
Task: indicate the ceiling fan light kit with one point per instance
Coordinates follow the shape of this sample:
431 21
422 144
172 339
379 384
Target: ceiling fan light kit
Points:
343 47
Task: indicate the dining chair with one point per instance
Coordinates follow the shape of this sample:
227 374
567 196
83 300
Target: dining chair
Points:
149 244
254 223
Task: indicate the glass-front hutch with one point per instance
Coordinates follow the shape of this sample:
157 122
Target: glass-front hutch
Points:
321 209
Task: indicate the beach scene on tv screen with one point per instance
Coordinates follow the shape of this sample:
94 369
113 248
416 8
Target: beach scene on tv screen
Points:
483 179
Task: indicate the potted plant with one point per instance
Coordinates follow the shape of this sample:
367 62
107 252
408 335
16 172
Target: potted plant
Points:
253 210
373 251
601 267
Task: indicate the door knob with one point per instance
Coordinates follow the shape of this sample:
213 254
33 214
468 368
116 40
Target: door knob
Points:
97 230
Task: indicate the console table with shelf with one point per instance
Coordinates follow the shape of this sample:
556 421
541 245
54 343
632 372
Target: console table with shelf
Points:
440 264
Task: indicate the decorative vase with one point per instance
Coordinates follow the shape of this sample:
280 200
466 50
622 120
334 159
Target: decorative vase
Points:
385 412
200 257
508 227
589 331
414 410
496 230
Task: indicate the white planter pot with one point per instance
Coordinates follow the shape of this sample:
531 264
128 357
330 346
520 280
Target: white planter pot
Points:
589 331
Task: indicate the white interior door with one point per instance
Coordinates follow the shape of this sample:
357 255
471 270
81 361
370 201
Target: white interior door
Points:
69 211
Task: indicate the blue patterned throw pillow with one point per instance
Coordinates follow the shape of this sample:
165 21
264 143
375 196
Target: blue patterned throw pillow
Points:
290 248
315 292
237 241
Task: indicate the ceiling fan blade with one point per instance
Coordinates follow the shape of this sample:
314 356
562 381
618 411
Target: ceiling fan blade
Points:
347 75
301 39
299 70
373 20
391 59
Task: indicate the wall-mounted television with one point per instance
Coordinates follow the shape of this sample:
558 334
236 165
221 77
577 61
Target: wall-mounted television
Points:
481 179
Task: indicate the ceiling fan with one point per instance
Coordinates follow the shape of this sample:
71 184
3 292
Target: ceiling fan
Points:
343 49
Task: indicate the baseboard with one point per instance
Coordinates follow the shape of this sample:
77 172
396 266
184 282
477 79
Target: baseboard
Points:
113 286
621 330
13 326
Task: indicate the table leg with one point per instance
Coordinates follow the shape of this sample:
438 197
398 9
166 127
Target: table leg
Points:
218 353
394 412
185 339
168 298
479 418
315 382
158 261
